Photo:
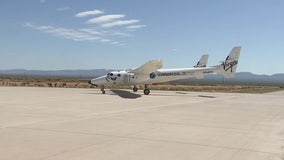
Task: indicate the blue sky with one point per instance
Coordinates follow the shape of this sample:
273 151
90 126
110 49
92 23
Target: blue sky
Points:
121 34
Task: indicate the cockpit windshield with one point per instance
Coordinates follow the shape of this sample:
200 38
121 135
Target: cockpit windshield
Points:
110 74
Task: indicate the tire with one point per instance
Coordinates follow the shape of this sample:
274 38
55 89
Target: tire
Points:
135 89
146 91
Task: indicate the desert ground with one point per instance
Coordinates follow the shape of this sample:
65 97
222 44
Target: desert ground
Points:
42 123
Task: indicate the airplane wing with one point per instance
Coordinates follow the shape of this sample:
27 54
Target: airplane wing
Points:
148 67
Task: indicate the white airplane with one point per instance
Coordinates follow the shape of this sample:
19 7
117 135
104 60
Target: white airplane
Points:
151 72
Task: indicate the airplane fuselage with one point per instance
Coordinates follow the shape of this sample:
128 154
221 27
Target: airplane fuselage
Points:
125 78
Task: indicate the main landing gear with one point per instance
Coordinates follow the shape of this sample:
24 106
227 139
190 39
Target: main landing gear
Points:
146 89
135 89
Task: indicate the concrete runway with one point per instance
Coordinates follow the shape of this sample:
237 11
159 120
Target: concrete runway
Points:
83 124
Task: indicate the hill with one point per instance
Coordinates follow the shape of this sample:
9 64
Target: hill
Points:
244 78
56 73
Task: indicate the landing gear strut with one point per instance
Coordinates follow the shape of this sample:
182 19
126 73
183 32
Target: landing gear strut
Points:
103 89
135 89
146 90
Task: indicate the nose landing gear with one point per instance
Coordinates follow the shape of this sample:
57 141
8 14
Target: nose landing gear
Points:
103 89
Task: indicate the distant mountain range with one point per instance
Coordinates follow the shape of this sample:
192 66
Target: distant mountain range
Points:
56 73
245 78
240 78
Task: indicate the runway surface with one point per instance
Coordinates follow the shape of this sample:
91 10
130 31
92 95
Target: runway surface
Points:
77 124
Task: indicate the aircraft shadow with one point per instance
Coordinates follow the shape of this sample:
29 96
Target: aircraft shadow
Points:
126 94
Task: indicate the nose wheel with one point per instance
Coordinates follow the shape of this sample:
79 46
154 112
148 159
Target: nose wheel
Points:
103 89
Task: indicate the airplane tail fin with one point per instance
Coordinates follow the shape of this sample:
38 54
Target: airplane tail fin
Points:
202 62
229 65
